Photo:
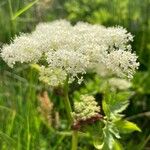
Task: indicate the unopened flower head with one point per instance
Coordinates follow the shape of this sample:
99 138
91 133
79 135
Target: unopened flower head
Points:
86 108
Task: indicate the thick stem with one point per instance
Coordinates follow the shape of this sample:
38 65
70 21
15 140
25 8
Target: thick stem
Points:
69 110
67 102
74 140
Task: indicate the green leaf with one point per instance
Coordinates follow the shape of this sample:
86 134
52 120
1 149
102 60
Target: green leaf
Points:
35 66
114 130
125 126
118 107
121 96
115 103
21 11
97 132
119 102
108 139
98 143
110 133
106 108
117 145
5 137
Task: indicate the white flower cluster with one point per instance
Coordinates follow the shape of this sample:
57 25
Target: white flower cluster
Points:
24 48
117 83
53 36
53 77
122 63
72 50
85 109
73 63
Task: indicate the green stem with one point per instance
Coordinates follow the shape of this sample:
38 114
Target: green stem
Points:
69 110
74 140
12 23
67 102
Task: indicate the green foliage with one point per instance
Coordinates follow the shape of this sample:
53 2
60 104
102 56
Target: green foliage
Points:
115 103
21 16
117 145
114 125
108 138
107 132
141 82
91 86
125 126
21 11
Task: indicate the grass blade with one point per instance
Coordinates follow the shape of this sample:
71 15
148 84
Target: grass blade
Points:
21 11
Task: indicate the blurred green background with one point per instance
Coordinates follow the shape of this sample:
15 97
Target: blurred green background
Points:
21 126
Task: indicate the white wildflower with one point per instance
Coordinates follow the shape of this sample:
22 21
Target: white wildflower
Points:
23 49
86 34
73 63
118 38
75 49
96 54
112 37
53 35
122 63
52 77
117 83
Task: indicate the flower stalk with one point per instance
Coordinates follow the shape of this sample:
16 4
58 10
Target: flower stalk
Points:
74 140
67 102
69 111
